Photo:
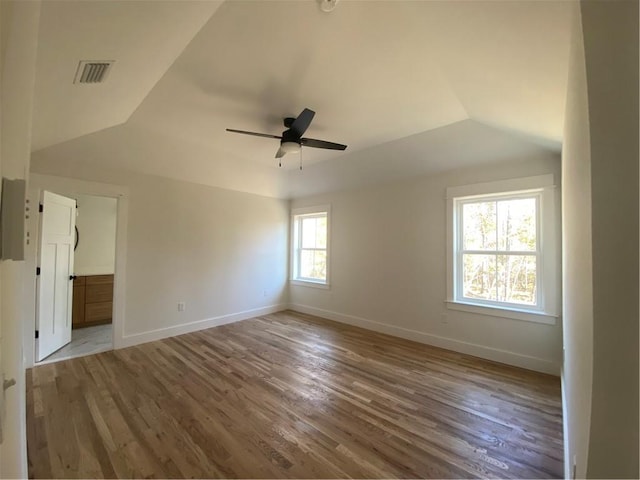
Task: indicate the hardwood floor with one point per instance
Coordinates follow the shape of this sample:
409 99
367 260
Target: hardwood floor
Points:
291 395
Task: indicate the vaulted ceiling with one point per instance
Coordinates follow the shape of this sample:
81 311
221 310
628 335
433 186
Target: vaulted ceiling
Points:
426 85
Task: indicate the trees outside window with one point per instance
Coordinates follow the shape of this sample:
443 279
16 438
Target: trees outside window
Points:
502 249
498 255
310 238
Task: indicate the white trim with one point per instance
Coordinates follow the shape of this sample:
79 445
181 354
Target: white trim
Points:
500 186
568 463
548 308
308 283
320 210
489 353
512 313
310 210
75 186
172 331
72 186
460 251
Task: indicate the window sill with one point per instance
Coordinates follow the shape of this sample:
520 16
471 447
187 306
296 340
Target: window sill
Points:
309 283
526 316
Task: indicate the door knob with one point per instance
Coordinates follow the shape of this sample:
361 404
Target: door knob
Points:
72 277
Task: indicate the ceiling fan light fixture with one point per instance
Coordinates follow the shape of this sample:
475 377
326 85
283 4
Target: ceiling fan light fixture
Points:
290 147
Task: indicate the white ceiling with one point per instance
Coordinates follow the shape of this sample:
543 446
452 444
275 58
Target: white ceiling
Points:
143 37
378 74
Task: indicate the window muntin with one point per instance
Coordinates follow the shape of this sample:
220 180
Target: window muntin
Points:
498 260
310 247
547 249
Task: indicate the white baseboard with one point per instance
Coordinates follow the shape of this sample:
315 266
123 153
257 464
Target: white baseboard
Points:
489 353
160 333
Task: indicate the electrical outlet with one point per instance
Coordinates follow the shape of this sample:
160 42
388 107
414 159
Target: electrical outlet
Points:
181 306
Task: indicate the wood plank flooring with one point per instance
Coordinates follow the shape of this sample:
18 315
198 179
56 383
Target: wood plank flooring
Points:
291 396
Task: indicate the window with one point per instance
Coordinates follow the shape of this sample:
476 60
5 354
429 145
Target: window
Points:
503 253
310 252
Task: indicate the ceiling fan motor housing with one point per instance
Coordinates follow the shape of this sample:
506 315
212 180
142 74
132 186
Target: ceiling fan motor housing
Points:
289 136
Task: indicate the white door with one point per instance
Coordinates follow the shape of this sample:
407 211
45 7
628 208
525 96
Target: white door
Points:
54 284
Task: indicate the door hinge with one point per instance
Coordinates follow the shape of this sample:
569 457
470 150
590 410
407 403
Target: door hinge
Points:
37 270
41 208
37 333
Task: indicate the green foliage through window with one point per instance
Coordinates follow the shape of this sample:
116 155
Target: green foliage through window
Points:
311 247
498 254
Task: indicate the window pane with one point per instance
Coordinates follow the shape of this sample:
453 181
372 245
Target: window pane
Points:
313 264
517 225
308 232
321 232
479 226
479 276
517 279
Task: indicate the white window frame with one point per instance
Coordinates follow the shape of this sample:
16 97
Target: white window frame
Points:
308 212
543 189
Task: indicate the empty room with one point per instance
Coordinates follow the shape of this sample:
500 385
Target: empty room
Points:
319 239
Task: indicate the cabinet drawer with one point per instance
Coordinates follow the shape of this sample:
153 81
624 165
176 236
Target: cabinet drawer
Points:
99 293
95 312
99 279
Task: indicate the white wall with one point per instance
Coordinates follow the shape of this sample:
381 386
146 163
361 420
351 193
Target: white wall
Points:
577 269
600 231
388 268
19 35
96 223
611 56
223 253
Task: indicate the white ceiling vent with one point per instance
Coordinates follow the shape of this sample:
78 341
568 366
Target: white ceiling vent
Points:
93 71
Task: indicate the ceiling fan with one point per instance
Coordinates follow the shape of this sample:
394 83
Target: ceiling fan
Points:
291 140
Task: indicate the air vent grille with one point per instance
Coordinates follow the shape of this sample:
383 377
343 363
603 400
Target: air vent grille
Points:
92 71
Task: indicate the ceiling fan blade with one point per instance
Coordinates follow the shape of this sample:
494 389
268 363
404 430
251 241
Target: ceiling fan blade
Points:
300 124
280 153
312 142
244 132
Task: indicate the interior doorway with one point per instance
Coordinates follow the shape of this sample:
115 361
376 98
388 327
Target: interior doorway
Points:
103 327
93 274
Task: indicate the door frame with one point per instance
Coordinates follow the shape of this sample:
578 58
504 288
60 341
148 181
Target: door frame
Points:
70 187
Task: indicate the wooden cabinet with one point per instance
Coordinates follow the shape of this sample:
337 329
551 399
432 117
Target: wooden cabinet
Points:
77 312
92 300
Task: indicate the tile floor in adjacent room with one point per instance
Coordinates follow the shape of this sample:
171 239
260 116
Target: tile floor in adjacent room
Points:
84 341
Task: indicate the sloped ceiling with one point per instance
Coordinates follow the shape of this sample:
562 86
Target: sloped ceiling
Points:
380 75
143 37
